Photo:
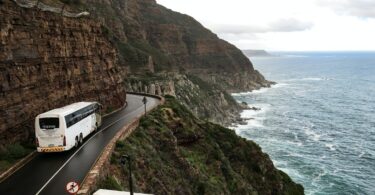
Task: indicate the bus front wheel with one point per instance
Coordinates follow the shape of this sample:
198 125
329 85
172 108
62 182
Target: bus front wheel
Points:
96 127
80 139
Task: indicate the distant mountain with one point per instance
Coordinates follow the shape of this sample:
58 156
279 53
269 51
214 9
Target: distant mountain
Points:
254 53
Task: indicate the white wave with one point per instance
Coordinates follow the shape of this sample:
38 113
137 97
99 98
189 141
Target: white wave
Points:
293 173
297 143
255 122
258 91
250 113
331 147
261 90
241 94
279 163
311 134
278 85
254 118
362 153
313 79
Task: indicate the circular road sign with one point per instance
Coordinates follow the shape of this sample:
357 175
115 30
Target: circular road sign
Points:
72 187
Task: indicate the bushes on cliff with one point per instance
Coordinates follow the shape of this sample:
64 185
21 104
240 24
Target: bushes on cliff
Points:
212 89
12 153
109 183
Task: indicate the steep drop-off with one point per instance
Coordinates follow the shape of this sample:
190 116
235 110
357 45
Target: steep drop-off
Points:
173 152
47 61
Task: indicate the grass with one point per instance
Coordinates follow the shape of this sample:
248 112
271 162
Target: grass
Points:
109 183
13 153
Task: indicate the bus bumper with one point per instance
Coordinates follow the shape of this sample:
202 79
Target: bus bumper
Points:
51 149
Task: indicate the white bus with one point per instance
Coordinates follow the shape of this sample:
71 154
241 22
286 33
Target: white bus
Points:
63 128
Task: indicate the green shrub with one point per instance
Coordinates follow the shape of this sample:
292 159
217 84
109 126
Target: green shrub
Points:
14 152
4 165
120 144
110 183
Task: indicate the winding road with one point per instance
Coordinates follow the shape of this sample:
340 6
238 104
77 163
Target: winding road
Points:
48 174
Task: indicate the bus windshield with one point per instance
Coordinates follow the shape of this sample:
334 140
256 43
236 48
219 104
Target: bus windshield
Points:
49 123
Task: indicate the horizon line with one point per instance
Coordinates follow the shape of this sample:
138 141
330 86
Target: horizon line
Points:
311 50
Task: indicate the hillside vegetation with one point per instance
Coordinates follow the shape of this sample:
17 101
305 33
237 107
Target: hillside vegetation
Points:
176 153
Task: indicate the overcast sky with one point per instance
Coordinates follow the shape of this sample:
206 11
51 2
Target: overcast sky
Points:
294 25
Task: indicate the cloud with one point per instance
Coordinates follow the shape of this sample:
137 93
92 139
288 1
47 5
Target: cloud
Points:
281 25
359 8
290 25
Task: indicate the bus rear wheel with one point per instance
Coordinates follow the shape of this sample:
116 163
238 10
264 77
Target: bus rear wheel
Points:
76 143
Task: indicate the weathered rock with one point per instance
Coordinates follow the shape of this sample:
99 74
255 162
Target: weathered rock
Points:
203 99
176 42
254 108
47 61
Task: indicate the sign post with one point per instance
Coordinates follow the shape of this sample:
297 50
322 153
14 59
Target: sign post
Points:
123 160
144 100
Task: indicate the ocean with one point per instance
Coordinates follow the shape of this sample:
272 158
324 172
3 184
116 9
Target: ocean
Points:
318 122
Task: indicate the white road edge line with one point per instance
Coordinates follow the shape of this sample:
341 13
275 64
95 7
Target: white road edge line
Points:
57 172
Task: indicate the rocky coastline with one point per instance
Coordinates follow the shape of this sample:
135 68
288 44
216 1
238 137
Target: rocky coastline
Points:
205 100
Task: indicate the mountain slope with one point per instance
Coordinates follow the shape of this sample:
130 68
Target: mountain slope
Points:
176 153
153 38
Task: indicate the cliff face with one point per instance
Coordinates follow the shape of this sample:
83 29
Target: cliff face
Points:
206 101
175 153
153 38
154 41
47 61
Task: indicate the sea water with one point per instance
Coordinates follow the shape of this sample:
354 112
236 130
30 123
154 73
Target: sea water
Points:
318 122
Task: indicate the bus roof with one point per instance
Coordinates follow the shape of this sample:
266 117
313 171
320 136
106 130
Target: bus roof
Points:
63 111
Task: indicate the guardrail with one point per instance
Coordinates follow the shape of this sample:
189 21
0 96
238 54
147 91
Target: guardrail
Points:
162 100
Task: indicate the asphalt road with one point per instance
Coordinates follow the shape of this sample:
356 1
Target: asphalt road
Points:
48 174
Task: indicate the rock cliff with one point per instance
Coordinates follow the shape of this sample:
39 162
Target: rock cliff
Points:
206 100
152 38
175 153
154 41
47 61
